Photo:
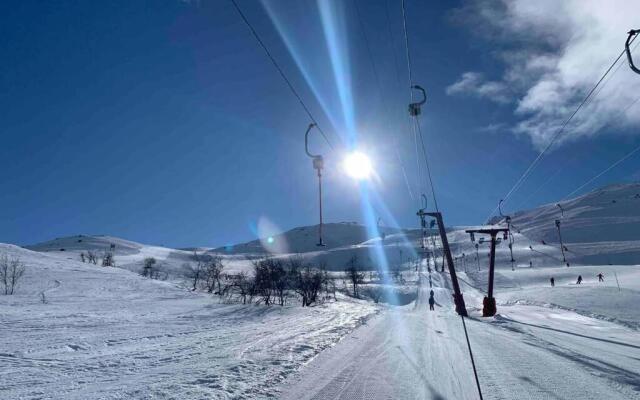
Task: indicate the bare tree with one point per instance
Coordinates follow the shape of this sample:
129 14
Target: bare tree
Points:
194 274
107 259
11 271
91 256
213 274
147 270
354 276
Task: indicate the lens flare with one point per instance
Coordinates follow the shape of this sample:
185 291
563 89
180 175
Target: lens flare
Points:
357 166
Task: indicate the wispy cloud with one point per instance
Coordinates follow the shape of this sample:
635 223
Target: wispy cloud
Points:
473 83
553 53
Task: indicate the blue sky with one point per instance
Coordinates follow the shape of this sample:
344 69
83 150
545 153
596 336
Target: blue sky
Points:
166 123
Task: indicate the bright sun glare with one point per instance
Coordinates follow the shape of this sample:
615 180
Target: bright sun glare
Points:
357 165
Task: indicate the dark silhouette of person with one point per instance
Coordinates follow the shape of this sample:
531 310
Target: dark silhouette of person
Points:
432 301
600 277
553 281
579 280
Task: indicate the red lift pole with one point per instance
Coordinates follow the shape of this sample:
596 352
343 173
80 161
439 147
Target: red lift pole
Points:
489 302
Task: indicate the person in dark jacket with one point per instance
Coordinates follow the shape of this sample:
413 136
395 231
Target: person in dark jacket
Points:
600 277
432 301
579 280
553 281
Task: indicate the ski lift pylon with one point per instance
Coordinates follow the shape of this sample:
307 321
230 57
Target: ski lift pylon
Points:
415 108
318 165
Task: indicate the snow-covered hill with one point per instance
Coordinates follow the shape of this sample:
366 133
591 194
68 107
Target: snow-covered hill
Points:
127 254
304 239
110 333
601 227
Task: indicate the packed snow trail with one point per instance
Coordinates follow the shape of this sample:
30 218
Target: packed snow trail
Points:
413 353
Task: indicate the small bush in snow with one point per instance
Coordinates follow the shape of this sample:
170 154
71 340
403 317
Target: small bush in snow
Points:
11 271
213 275
107 259
147 269
91 257
353 274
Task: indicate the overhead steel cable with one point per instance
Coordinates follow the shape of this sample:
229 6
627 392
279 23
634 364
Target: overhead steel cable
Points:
555 137
411 86
282 74
381 93
609 168
433 192
564 164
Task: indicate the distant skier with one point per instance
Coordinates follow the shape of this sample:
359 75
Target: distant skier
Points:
553 281
579 280
530 264
600 277
432 301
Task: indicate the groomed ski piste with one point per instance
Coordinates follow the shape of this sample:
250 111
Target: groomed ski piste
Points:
110 333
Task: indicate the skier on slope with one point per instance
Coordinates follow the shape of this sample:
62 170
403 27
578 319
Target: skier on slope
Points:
553 281
579 280
600 277
432 301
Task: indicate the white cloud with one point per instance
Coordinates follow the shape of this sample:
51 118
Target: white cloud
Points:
553 52
474 83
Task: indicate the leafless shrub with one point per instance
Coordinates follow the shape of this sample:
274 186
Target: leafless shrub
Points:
11 271
305 281
92 257
213 274
354 275
107 259
147 269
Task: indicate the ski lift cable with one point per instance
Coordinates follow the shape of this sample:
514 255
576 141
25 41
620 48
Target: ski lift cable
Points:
417 122
536 161
411 87
379 86
410 74
609 168
613 165
567 161
426 160
609 78
281 72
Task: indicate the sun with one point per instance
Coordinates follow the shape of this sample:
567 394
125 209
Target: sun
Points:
357 165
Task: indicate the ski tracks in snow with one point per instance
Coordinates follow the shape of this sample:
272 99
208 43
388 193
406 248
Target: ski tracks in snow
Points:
524 353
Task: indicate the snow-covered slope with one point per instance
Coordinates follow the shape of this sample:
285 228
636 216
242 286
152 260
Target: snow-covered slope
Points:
305 239
531 350
127 254
107 333
601 227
